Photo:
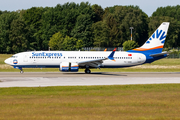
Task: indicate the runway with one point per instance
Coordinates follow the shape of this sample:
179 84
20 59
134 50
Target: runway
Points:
38 79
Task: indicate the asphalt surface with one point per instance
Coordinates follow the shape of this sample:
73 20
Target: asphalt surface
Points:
38 79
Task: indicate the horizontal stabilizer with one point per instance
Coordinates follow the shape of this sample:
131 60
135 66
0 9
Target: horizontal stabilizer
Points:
159 54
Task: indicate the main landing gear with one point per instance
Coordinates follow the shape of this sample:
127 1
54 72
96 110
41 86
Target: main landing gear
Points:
87 71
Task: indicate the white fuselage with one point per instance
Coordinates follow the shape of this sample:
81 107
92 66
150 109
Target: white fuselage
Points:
53 59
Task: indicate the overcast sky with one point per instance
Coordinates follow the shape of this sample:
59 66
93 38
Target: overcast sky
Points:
148 6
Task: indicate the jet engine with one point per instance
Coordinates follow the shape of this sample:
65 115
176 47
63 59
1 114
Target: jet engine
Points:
69 67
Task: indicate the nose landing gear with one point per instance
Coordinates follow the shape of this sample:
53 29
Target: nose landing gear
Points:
21 71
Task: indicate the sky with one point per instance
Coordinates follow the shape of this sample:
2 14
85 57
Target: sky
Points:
147 6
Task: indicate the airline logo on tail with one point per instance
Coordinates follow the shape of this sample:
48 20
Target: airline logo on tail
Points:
157 39
156 36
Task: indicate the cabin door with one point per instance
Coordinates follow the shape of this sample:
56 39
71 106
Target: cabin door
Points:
25 58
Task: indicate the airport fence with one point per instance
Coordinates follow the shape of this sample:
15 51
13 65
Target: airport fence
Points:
173 55
102 48
173 52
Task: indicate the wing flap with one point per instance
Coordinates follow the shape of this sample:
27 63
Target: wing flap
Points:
92 63
97 62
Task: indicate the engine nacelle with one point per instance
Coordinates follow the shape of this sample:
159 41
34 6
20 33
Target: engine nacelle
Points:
69 67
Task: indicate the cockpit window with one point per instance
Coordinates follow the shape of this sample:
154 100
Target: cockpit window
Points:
13 56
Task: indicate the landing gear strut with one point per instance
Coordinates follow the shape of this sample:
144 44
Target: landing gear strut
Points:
21 71
87 71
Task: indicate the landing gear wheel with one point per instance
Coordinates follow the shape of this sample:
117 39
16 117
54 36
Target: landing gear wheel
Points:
21 72
87 71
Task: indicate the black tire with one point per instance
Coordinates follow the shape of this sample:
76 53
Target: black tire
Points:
88 71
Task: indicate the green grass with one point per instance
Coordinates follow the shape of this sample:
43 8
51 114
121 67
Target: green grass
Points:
163 65
3 57
160 101
155 102
167 62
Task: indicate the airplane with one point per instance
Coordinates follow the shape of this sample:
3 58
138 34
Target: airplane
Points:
72 61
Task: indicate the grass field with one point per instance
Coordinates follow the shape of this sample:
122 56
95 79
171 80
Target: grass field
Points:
3 57
137 102
163 65
146 102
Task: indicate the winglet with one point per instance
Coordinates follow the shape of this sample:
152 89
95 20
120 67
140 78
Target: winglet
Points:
112 54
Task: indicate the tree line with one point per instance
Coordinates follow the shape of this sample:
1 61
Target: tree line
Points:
72 26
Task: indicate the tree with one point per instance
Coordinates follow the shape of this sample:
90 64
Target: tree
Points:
5 25
1 12
82 29
56 41
131 16
17 36
71 43
99 12
117 20
79 44
112 26
101 34
33 17
170 11
129 45
33 20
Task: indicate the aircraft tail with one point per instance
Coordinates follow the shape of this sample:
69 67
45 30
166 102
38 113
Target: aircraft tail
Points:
156 42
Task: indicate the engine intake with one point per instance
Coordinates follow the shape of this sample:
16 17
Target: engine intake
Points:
69 67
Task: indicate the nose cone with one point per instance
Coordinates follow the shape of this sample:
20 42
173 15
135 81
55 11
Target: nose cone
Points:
7 61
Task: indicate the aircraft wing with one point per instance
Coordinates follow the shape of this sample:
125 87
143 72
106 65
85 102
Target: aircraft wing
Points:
92 63
159 54
97 62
